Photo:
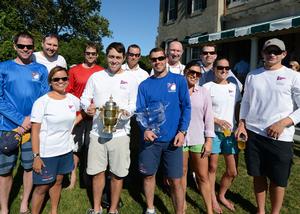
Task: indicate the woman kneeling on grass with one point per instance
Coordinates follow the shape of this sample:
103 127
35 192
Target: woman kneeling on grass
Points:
53 117
199 135
225 98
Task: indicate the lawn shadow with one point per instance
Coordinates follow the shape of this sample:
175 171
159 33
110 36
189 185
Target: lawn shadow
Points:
17 184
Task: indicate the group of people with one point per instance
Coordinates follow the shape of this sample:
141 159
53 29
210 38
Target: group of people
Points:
204 115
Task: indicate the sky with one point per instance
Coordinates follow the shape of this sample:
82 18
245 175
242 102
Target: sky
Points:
132 21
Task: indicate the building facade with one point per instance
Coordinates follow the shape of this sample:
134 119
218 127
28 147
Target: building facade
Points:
238 27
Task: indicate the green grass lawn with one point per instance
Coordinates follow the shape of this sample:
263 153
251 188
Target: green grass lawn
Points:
76 200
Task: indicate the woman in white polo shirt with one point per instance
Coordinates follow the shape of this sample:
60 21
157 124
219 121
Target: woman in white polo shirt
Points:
225 96
53 117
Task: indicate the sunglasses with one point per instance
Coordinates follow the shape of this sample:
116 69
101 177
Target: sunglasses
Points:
90 53
29 47
160 58
208 52
132 55
221 68
273 51
56 79
192 73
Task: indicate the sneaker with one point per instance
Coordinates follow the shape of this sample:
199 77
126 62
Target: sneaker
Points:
114 212
92 211
147 212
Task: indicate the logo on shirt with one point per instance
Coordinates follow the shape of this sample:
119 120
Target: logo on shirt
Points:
171 87
280 78
123 84
35 76
72 108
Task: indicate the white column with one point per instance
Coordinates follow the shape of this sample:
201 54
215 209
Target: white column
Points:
254 53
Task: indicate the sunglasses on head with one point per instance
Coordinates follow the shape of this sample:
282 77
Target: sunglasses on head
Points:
133 54
29 47
56 79
90 53
192 73
221 68
273 51
208 52
160 58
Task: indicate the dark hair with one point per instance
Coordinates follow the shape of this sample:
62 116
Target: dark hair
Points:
54 71
24 35
209 45
50 35
118 46
92 45
191 64
157 50
133 46
219 59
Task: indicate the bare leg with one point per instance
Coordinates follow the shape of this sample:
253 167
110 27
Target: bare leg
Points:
260 190
54 193
73 174
200 167
184 177
98 186
177 194
227 178
149 188
213 165
5 184
116 185
276 197
38 197
27 185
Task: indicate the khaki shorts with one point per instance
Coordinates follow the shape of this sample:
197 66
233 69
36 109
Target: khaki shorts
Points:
113 152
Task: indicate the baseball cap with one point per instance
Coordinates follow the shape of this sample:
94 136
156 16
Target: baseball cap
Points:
274 42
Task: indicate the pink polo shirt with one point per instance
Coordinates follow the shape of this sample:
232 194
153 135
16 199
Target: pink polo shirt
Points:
202 118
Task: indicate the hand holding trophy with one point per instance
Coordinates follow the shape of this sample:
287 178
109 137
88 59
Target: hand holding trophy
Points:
109 115
152 117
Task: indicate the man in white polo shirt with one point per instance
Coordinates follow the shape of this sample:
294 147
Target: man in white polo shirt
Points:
269 111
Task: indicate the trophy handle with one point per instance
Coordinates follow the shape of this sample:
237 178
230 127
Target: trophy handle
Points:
101 114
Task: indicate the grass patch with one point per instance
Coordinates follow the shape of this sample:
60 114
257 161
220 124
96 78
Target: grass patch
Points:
76 201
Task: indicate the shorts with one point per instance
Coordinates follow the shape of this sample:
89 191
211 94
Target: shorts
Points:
268 157
151 154
193 148
113 152
58 165
224 145
8 162
81 133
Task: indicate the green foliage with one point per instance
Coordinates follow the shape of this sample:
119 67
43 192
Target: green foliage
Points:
75 21
145 63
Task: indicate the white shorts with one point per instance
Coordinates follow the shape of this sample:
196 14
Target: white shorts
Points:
114 152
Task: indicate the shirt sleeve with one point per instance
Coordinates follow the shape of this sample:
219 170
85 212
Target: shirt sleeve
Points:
208 115
6 108
185 105
38 110
140 104
295 116
87 94
245 104
70 88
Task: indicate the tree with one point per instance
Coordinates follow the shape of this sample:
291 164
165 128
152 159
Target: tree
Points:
72 20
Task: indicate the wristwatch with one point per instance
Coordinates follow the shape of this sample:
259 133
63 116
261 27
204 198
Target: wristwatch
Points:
34 155
183 132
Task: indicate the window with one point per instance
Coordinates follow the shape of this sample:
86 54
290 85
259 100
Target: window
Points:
170 10
195 6
234 3
195 53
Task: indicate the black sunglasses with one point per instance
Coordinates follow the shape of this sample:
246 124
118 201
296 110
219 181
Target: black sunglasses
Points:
208 52
160 58
192 73
132 55
29 47
56 79
90 53
273 51
221 68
